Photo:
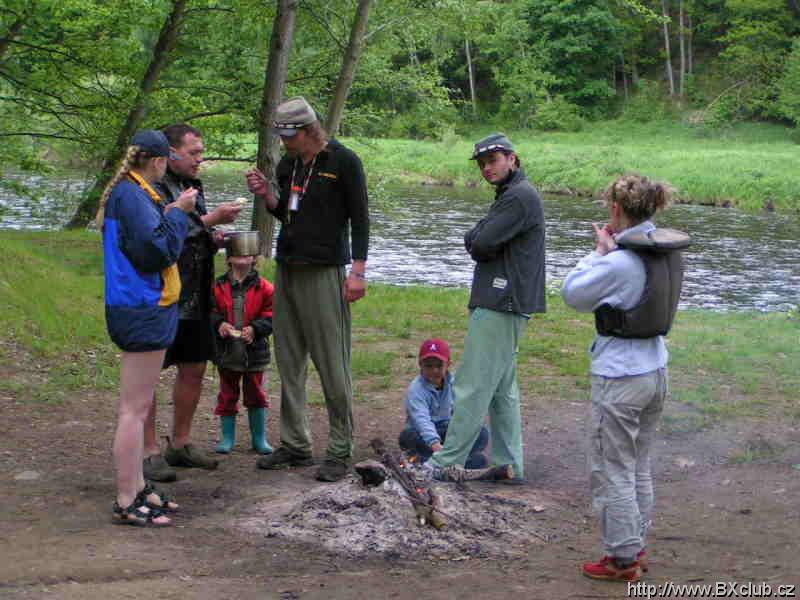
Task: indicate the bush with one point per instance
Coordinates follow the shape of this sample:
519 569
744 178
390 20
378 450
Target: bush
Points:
648 104
558 115
789 86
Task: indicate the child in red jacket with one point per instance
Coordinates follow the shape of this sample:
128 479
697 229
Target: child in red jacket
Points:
242 320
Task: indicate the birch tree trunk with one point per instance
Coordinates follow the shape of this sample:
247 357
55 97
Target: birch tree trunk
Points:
352 55
161 56
280 45
690 53
682 43
471 74
668 60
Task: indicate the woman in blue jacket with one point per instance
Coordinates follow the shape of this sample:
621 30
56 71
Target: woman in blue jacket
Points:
141 243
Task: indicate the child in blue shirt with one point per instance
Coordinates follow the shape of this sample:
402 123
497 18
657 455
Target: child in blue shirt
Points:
429 406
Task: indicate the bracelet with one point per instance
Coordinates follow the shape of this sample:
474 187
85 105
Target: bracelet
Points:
357 274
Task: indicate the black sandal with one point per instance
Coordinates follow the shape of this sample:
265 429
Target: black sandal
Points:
162 501
136 516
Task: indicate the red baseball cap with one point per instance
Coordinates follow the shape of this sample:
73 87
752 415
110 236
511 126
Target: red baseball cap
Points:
434 347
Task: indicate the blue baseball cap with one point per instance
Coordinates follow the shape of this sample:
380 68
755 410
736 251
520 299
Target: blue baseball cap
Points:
154 142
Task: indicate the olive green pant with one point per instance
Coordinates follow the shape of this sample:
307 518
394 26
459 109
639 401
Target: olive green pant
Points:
486 383
311 318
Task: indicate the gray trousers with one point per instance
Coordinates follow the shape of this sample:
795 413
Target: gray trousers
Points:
625 413
311 318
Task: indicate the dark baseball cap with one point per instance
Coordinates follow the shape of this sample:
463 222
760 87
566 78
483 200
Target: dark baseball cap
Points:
154 142
435 347
292 115
497 142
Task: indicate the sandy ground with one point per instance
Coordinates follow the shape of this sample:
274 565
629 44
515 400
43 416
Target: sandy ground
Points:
717 520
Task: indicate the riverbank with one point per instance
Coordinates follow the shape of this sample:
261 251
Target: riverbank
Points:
750 166
735 363
725 462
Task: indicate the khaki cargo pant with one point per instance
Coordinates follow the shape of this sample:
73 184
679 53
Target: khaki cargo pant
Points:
311 318
625 413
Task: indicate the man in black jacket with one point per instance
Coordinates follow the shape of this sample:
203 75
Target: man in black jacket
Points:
194 343
322 206
507 246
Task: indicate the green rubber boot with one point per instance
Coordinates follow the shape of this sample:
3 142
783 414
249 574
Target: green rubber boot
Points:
258 429
227 426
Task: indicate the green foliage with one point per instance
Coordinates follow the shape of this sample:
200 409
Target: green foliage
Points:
558 115
647 104
789 87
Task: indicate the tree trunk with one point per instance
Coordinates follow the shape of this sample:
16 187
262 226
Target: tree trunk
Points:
668 61
690 53
13 32
280 45
161 55
471 72
682 43
624 75
349 63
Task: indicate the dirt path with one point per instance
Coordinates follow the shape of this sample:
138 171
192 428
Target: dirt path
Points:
717 520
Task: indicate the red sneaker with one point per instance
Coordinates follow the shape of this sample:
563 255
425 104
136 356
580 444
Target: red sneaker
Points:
644 562
607 569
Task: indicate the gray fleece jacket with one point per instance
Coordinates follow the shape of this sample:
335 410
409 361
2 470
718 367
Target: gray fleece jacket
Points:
507 246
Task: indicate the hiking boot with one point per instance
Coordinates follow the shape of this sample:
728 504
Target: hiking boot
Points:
189 456
283 458
155 468
332 470
606 568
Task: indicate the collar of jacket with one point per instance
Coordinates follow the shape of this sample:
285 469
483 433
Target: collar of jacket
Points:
513 179
175 179
246 282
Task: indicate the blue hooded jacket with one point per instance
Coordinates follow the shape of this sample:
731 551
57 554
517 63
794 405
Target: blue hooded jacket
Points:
141 245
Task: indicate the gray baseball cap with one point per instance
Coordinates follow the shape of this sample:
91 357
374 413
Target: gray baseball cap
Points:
292 115
493 143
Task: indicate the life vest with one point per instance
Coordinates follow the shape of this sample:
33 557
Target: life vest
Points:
653 314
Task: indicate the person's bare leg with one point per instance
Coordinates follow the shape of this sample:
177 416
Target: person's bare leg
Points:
185 397
138 377
150 438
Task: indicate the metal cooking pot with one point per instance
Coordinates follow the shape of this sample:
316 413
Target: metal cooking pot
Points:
242 243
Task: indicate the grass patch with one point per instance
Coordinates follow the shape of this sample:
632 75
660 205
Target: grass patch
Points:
755 450
748 165
724 365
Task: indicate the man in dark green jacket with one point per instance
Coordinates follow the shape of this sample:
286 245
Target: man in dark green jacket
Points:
507 246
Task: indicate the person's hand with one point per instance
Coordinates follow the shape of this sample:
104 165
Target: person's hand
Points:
226 329
355 287
605 239
219 238
225 213
258 184
248 333
185 201
436 447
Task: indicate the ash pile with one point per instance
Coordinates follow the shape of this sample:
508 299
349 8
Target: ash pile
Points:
394 508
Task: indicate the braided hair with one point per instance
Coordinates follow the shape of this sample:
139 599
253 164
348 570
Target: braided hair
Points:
639 197
135 158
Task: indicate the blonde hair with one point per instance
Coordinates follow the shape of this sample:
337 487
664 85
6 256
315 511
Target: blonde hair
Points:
639 197
135 158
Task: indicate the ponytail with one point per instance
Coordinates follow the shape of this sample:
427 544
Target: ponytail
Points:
133 157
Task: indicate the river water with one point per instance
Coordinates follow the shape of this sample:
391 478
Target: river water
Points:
738 261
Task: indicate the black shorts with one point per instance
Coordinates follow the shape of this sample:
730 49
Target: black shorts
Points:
194 343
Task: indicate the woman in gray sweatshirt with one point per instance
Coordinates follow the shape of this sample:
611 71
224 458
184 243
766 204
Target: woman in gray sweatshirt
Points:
629 377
